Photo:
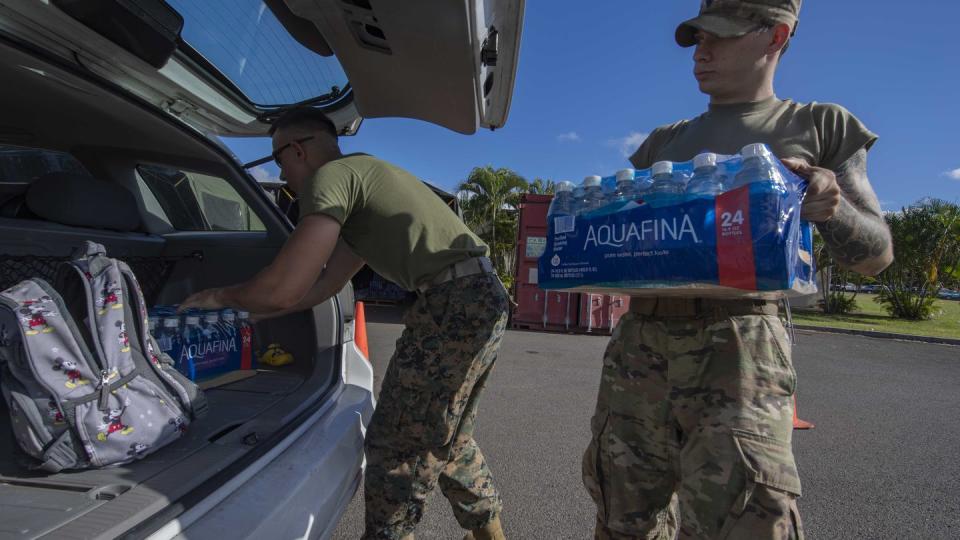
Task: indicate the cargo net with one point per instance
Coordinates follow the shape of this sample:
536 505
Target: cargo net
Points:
151 272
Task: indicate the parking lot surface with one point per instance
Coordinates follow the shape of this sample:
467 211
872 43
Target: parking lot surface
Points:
881 463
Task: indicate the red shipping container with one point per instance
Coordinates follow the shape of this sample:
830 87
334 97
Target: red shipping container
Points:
536 309
561 310
618 307
601 312
553 310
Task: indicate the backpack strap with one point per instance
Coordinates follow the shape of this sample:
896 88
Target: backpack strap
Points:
59 454
102 284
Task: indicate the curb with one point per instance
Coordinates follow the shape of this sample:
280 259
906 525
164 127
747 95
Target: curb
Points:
881 335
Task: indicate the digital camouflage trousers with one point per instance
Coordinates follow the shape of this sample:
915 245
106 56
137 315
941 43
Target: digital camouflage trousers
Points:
421 433
693 425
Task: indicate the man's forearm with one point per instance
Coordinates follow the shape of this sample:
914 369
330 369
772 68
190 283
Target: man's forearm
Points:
344 264
246 297
323 290
857 241
857 236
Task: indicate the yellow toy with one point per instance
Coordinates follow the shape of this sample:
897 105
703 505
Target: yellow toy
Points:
275 356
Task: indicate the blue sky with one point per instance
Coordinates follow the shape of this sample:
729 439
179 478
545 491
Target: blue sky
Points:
594 77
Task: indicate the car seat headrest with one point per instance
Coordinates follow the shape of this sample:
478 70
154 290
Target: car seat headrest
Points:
83 201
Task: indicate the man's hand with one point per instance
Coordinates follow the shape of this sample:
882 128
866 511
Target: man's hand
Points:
208 299
823 196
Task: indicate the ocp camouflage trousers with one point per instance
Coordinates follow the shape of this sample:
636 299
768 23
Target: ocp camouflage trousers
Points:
692 430
421 433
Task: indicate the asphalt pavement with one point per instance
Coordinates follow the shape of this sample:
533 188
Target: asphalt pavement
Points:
881 463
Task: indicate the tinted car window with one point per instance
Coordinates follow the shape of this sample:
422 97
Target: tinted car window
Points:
199 202
246 43
19 164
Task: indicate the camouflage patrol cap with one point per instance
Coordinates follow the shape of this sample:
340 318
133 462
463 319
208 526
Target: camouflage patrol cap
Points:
734 18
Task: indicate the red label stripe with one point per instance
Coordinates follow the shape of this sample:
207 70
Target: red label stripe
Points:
734 242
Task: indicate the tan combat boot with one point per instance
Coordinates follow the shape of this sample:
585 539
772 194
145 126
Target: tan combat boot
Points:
490 531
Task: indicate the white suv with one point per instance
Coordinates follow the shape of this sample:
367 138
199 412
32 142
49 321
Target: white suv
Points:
126 100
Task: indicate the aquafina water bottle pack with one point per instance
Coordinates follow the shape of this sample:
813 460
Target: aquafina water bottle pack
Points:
204 344
717 226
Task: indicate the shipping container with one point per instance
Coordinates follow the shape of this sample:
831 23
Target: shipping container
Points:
600 313
557 311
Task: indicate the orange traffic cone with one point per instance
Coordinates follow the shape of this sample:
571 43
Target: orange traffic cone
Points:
797 422
360 330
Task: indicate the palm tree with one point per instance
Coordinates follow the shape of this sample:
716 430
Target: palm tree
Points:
489 198
539 186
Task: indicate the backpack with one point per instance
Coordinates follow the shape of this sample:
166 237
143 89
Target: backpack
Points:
84 381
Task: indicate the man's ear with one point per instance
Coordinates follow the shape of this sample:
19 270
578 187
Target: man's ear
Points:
779 36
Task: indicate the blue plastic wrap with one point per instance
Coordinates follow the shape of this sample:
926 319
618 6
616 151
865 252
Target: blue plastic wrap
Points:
733 232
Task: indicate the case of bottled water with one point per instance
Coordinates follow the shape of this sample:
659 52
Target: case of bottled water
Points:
205 344
717 226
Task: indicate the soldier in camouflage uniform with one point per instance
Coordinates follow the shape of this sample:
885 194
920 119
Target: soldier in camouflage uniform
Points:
422 431
692 430
356 209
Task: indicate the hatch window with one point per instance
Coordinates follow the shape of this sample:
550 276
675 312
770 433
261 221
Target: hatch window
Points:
246 43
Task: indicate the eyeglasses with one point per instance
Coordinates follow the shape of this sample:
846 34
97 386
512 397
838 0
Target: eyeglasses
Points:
276 153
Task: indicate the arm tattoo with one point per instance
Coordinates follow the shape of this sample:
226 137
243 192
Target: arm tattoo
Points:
857 235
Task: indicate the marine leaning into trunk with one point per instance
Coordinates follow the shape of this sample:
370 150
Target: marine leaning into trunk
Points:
692 430
356 209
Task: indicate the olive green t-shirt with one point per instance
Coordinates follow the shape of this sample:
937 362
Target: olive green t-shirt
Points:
824 134
404 231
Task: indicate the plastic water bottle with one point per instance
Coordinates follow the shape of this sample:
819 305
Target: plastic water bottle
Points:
577 199
592 195
664 180
767 187
562 203
192 336
168 336
211 326
758 168
707 180
246 333
626 187
228 323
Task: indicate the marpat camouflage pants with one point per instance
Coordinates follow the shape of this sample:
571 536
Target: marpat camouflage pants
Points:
693 425
421 433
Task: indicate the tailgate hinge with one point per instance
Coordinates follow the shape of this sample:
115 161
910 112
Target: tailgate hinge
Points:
490 48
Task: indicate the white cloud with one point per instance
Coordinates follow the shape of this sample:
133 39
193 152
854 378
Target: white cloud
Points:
570 136
261 174
629 144
955 174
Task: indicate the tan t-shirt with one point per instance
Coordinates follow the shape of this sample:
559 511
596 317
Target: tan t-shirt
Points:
824 134
390 218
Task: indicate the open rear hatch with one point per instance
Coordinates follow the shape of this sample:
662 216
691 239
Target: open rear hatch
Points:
236 62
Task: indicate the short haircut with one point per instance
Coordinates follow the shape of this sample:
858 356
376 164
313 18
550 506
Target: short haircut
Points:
306 119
